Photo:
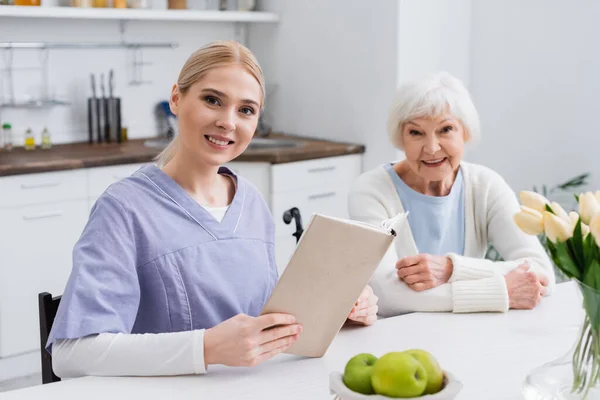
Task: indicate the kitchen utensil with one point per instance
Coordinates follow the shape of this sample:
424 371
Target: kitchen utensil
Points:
94 114
105 115
114 106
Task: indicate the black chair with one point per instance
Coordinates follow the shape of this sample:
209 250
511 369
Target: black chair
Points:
48 306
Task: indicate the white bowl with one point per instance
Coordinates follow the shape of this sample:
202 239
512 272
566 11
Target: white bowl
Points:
337 387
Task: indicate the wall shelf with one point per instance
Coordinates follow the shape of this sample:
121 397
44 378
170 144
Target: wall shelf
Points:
35 104
75 46
136 14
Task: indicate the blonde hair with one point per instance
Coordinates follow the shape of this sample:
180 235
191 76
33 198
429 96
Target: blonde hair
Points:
431 97
213 55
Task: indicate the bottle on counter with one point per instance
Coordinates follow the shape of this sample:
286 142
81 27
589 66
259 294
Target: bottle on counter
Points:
46 143
29 140
7 136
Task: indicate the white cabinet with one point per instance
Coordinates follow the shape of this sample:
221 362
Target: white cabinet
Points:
41 218
48 187
36 244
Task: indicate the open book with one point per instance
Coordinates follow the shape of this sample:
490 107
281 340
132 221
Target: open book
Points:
331 265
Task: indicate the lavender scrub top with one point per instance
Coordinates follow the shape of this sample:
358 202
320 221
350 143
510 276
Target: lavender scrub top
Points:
152 260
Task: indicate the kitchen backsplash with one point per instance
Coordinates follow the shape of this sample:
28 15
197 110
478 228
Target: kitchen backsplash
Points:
69 71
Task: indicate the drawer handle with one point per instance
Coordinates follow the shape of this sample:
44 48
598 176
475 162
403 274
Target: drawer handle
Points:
321 195
51 214
39 185
322 169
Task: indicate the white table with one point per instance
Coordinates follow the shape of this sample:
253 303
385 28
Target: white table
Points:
489 353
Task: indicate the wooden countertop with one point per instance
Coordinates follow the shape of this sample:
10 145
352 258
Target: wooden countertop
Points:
83 155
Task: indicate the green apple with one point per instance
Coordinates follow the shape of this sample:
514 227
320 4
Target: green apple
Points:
357 374
435 375
398 374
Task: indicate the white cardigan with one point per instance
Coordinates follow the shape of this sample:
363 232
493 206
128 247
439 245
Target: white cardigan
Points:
476 284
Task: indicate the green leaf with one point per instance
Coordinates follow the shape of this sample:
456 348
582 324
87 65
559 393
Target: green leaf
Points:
590 250
592 275
564 261
577 246
591 295
577 181
551 248
547 207
576 197
576 257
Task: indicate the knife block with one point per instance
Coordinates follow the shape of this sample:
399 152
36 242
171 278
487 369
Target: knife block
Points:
104 120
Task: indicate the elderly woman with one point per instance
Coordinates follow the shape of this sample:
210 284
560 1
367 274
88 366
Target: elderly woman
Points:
454 209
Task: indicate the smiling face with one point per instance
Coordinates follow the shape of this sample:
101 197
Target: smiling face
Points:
434 146
218 114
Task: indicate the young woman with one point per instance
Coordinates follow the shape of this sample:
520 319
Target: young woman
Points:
177 261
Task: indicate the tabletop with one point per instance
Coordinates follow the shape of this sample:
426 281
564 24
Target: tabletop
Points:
490 353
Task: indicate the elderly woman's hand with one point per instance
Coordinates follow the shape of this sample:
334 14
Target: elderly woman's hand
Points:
365 309
525 288
424 271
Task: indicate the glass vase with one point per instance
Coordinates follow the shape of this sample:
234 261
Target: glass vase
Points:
575 375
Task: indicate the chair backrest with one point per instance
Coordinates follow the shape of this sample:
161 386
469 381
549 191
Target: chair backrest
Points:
48 306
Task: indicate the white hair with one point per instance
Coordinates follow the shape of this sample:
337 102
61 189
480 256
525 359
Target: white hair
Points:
431 97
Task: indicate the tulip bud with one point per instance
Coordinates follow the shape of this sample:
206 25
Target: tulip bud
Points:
588 207
533 200
529 221
573 218
597 195
559 211
585 230
595 228
557 229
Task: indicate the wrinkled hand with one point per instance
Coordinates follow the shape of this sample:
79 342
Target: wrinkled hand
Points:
248 341
424 271
365 309
525 288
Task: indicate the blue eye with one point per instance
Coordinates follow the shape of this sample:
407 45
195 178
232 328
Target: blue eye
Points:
447 129
413 132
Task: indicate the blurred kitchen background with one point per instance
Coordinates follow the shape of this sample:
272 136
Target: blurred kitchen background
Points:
332 67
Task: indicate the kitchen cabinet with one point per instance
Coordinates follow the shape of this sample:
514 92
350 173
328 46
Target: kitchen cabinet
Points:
36 242
42 216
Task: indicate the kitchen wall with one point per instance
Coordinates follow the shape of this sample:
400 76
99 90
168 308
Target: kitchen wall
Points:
531 68
332 67
338 62
335 63
69 72
535 80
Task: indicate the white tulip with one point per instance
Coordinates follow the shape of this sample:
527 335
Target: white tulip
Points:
556 228
559 211
588 206
597 195
585 230
595 228
573 216
529 221
533 200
